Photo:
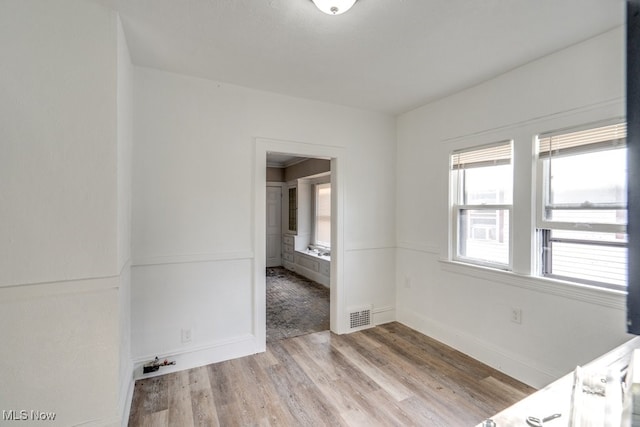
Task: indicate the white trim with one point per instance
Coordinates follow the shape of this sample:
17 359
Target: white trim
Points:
369 246
523 257
197 356
75 286
338 168
419 247
539 181
592 113
524 369
191 258
383 315
595 295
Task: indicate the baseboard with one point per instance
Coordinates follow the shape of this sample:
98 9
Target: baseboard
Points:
383 315
200 356
526 370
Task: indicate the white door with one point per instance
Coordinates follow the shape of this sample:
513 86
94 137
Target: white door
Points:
274 226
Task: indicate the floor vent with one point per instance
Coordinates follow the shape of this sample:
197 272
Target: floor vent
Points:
360 318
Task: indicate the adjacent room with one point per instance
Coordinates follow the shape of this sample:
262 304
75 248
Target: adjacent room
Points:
423 169
298 245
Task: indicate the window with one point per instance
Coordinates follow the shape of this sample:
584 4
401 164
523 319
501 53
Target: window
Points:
482 194
322 215
293 209
582 205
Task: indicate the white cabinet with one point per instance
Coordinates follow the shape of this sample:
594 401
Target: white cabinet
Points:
288 259
310 266
313 267
325 268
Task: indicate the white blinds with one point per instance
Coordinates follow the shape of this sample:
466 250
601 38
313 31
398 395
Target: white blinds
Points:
490 155
603 137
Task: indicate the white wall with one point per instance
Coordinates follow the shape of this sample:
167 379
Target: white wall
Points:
193 208
58 128
124 156
470 308
59 264
67 129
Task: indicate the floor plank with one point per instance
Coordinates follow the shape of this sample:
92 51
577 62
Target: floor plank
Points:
389 375
203 408
179 391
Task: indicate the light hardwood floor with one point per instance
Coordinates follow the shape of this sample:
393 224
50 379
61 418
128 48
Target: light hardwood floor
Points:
389 375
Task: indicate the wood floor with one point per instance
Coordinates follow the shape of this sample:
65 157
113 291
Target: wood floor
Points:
389 375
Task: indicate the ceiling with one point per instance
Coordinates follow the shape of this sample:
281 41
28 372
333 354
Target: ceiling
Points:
383 55
280 160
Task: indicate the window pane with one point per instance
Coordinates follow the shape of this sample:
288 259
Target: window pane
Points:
323 215
595 177
589 262
488 185
484 235
589 216
617 238
293 209
585 175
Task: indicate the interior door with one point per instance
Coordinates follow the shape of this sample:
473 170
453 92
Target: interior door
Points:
274 226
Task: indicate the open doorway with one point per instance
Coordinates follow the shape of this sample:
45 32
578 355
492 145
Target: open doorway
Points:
298 245
336 155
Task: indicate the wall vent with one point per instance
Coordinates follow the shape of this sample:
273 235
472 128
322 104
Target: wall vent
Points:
360 318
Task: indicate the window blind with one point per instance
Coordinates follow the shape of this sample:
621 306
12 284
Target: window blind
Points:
491 155
600 138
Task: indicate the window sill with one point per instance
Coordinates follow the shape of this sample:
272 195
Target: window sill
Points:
591 294
315 254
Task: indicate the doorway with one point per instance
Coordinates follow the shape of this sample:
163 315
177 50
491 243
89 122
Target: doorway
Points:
336 157
298 245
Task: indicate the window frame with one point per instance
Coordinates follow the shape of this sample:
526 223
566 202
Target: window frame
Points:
292 209
543 227
315 242
458 206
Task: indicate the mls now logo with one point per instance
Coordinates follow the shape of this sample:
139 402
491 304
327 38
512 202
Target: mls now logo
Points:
24 415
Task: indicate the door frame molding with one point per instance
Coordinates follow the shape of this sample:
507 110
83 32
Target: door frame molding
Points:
337 288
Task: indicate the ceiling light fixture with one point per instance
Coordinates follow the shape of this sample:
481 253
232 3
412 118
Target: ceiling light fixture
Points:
334 7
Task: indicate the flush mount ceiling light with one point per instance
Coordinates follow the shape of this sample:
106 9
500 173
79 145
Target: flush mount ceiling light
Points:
334 7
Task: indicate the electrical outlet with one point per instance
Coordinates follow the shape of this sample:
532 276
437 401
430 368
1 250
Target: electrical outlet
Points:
516 315
186 336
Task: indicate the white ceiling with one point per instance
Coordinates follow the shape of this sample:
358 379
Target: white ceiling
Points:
382 55
279 160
